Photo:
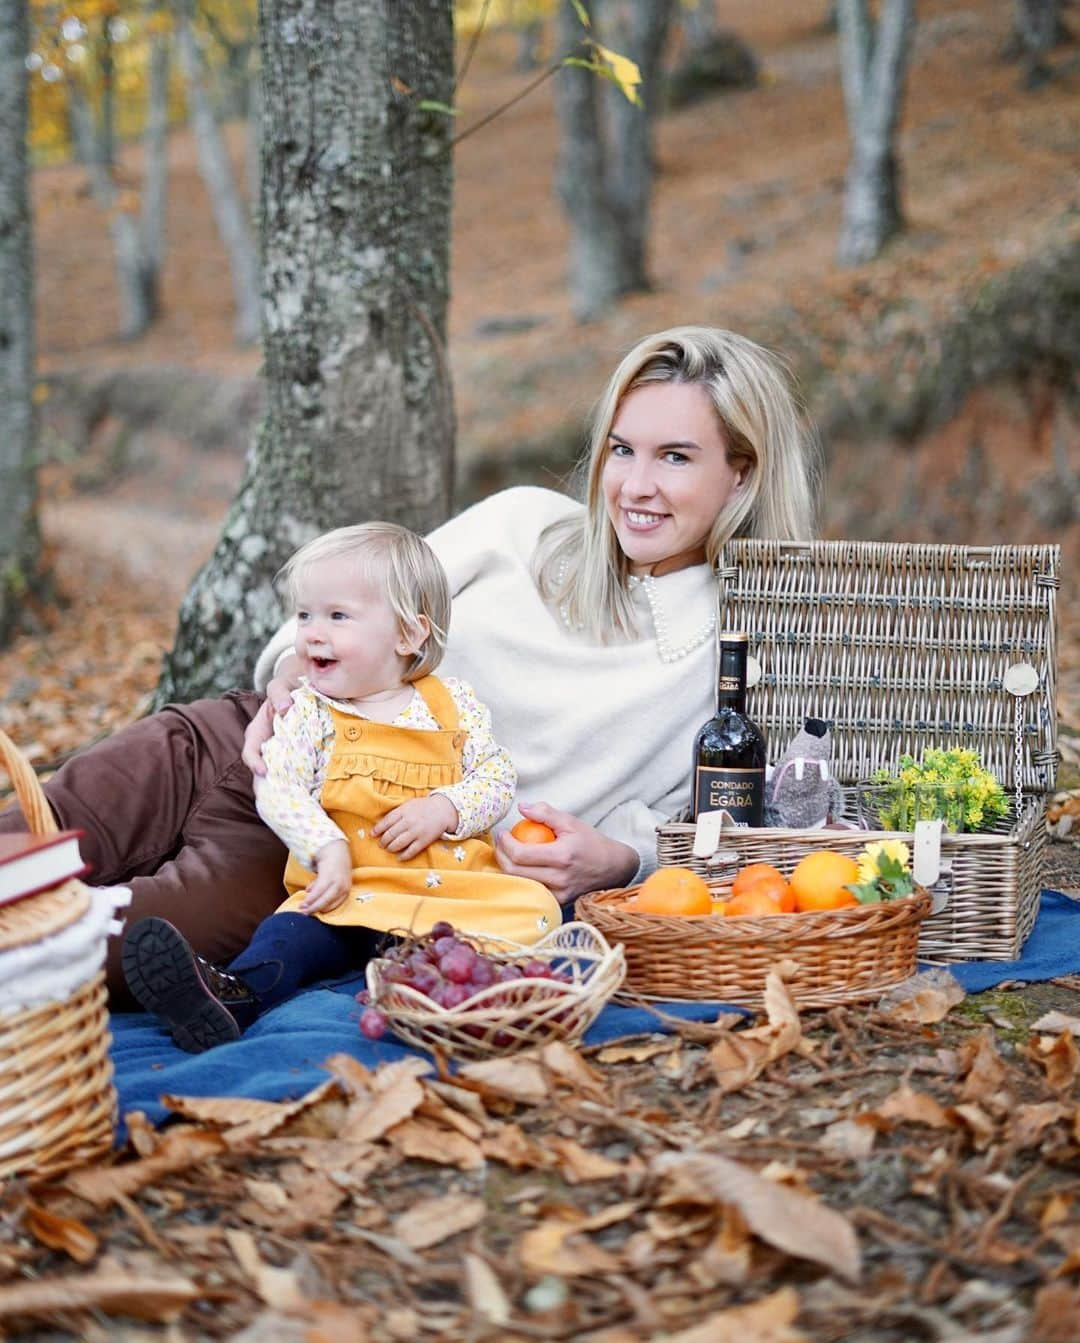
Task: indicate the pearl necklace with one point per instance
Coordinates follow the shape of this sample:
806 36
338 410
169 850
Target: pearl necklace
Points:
659 620
663 646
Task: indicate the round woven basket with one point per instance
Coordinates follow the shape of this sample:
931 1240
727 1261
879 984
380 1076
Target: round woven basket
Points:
843 956
518 1014
57 1101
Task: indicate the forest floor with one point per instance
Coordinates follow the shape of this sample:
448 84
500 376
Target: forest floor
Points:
898 1179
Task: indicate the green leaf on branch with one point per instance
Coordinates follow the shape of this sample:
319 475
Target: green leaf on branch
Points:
430 105
620 70
582 13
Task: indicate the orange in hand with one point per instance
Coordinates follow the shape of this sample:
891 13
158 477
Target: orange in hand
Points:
672 890
820 881
533 832
756 901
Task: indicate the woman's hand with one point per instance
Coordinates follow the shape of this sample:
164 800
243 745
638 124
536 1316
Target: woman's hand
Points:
278 699
579 859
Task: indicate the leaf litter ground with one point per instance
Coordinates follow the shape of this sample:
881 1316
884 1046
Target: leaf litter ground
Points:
908 1171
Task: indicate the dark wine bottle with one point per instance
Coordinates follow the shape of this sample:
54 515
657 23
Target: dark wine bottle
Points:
729 750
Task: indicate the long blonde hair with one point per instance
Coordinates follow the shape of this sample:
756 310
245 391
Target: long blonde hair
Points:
580 566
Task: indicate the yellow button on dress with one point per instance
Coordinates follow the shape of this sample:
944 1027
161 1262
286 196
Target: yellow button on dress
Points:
375 767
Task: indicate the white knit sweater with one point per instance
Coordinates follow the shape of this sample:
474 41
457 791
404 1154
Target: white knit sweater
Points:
602 731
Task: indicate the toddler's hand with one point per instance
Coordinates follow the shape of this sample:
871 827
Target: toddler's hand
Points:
410 828
333 882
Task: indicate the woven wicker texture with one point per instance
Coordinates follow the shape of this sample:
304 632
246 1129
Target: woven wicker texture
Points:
844 956
57 1104
519 1014
41 915
992 880
905 647
901 646
57 1101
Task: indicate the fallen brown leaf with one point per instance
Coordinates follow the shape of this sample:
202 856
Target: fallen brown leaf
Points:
484 1291
770 1320
924 998
1058 1056
738 1057
578 1164
370 1116
113 1292
985 1083
437 1219
518 1078
913 1107
179 1149
431 1142
61 1233
791 1221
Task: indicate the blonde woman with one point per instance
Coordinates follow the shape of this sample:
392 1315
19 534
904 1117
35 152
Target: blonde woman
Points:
586 626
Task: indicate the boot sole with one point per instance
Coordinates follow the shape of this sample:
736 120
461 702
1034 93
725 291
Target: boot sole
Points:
161 972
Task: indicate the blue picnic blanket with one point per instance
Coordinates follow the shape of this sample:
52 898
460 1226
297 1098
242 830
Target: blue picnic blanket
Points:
280 1056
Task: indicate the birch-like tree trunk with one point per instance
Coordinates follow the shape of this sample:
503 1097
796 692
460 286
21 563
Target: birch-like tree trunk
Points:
873 58
355 206
215 166
20 542
135 285
155 168
604 174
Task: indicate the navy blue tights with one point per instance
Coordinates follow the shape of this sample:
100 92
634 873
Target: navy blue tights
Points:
288 951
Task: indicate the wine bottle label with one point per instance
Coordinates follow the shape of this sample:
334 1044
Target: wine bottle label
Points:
728 685
738 791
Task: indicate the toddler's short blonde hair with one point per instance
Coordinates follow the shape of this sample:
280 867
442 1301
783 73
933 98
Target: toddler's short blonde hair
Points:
416 583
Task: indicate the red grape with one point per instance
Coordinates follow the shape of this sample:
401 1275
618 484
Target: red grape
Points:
373 1023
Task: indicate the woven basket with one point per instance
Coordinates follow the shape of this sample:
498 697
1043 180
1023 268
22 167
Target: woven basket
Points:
519 1014
57 1102
843 956
906 647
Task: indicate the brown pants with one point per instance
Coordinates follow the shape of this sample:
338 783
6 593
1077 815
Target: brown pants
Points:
166 806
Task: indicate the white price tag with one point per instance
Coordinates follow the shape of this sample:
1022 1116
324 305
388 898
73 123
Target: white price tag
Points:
926 860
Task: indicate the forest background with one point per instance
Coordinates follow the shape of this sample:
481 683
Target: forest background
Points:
941 375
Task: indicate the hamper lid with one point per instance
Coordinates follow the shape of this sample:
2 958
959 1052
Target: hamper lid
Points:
903 646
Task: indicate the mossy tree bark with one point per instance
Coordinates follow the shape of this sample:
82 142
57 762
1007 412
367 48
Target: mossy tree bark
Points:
20 544
355 208
873 55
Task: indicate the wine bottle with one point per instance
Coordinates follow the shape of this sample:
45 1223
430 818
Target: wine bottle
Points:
729 750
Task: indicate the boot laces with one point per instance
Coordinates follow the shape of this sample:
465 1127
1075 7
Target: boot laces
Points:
224 985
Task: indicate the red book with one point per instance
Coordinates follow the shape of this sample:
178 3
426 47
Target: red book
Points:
32 863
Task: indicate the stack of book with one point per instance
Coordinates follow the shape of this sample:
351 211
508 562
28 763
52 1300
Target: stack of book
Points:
35 864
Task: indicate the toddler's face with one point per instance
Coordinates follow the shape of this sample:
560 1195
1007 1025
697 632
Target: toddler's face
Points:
348 632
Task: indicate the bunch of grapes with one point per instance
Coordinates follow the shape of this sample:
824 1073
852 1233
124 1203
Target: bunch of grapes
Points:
449 970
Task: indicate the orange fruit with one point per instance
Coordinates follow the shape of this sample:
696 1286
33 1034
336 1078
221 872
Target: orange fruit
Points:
776 888
755 901
820 880
533 832
672 890
751 874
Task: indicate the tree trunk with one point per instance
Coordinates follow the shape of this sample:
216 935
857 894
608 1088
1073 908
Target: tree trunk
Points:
20 542
355 204
530 36
1038 27
639 31
699 22
595 272
155 169
215 166
136 294
873 56
604 177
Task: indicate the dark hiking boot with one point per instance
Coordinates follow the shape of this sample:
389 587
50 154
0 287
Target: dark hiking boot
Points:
200 1005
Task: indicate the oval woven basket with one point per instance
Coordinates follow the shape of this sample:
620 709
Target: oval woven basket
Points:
843 956
57 1101
514 1015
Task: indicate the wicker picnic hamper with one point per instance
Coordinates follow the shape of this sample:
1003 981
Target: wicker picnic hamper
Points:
57 1102
906 647
842 956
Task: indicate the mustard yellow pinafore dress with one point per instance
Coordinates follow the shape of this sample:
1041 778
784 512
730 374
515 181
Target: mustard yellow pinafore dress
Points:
375 767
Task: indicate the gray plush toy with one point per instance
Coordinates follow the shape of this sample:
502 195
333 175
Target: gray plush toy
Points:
800 791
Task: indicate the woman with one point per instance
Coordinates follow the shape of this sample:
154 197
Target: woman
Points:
587 628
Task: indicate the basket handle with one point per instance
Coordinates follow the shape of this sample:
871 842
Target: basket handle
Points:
28 791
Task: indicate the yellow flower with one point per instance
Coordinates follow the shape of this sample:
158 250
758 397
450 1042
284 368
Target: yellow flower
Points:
870 858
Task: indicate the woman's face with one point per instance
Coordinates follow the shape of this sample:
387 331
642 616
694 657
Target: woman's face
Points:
666 475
